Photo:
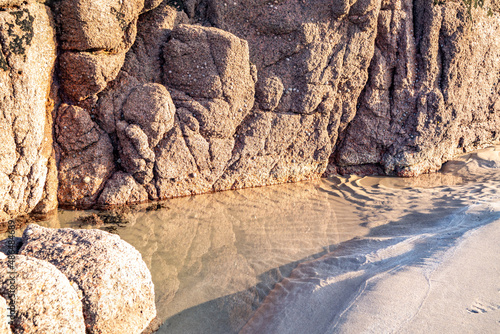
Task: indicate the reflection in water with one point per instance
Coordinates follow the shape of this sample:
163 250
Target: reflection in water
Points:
215 258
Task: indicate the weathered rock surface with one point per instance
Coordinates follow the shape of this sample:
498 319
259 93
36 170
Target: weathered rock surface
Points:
122 189
45 301
85 74
311 67
103 25
182 149
147 114
215 95
210 76
118 294
4 317
276 93
27 57
433 90
85 157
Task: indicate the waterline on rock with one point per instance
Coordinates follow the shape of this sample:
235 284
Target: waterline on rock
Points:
309 254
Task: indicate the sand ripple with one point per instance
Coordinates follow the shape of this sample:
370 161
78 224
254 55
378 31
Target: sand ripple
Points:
299 258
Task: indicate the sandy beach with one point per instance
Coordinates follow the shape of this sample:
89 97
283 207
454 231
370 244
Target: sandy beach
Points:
337 255
453 291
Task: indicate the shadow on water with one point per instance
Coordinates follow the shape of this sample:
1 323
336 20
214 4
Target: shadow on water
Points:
430 234
220 261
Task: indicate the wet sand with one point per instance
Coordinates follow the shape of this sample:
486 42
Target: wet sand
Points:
431 283
340 255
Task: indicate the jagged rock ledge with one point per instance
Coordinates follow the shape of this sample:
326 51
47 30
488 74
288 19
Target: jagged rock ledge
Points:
109 102
75 281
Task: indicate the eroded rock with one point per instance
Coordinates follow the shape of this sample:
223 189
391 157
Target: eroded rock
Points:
211 69
136 156
263 93
311 67
84 74
427 98
144 61
118 294
27 56
122 189
102 25
269 93
45 301
85 157
150 106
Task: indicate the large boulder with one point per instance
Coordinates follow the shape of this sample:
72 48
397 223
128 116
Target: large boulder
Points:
27 57
117 291
45 301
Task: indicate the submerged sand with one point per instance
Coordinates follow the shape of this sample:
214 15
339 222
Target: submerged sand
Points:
431 283
341 255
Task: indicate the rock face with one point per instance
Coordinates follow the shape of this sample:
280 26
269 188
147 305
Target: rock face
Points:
27 93
45 301
311 66
433 90
122 188
85 156
211 95
113 280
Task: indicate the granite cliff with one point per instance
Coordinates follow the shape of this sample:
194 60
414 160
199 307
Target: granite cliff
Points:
108 102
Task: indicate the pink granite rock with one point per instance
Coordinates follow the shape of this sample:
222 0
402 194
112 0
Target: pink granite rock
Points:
27 58
84 74
427 99
263 93
85 157
118 294
98 25
122 189
45 301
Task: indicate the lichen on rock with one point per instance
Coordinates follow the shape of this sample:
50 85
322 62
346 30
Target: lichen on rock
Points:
197 96
28 53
